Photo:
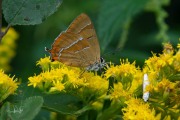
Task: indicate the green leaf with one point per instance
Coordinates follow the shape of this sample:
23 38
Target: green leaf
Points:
25 110
174 77
114 15
111 112
28 12
63 103
84 109
4 113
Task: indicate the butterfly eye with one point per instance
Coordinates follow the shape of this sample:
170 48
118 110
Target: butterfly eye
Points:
102 60
46 49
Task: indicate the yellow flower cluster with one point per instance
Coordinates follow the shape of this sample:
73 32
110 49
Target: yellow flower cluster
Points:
53 79
57 77
138 110
161 68
7 85
157 83
7 48
124 69
163 75
128 77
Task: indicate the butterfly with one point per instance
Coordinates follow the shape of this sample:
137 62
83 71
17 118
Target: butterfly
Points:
78 46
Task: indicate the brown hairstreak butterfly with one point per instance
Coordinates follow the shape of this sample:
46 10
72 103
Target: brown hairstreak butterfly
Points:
78 46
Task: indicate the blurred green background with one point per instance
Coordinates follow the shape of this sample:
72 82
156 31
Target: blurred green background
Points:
122 31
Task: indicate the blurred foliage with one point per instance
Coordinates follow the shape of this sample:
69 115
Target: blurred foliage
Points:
109 22
7 49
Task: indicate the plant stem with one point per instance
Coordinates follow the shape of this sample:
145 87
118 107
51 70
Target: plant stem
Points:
1 32
107 102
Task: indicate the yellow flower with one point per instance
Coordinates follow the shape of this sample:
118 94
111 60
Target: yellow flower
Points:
91 86
168 58
46 79
156 67
178 45
161 63
7 86
155 63
129 76
168 48
165 84
119 92
124 69
62 78
136 82
95 82
138 110
72 77
56 64
7 48
57 86
176 62
44 63
54 78
35 80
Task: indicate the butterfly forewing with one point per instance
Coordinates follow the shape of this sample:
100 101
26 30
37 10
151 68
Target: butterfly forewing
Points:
79 23
82 25
78 45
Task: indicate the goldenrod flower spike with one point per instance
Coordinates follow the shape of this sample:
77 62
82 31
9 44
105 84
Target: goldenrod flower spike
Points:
8 85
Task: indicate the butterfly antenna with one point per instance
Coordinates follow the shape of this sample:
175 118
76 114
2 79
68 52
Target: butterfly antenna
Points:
112 51
82 72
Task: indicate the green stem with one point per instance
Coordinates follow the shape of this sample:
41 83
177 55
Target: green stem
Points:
107 102
124 34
